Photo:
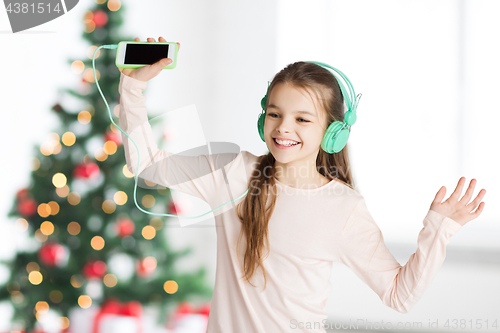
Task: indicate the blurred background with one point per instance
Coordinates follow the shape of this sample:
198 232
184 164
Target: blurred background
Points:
428 74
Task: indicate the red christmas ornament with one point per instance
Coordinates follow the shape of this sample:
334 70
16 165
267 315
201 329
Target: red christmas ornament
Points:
184 311
204 309
145 267
185 307
94 269
112 306
174 209
124 227
51 254
22 194
90 170
112 136
27 207
100 18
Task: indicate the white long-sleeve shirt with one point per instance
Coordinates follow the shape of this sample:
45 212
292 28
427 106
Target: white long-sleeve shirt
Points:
309 230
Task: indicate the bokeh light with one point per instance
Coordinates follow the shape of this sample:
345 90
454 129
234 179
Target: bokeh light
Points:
110 280
43 210
59 180
108 206
84 301
120 198
77 66
100 155
148 201
88 75
35 164
76 281
97 243
148 232
22 224
69 139
156 222
42 306
63 323
116 112
89 26
63 191
127 173
54 207
114 5
149 263
84 117
39 236
91 50
74 198
35 277
151 184
32 266
74 228
110 147
170 287
47 228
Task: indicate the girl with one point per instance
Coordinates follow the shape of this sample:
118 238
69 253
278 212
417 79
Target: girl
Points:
275 251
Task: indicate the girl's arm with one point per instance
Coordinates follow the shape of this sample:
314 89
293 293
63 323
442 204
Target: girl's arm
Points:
363 250
193 175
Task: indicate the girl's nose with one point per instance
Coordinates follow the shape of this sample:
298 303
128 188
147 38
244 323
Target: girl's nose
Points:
283 127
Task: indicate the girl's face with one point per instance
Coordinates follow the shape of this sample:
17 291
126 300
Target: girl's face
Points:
292 114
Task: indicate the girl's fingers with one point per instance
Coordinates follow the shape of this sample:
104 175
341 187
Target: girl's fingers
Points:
161 39
478 199
468 194
440 195
458 191
479 209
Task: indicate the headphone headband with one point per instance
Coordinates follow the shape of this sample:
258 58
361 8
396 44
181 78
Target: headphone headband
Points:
350 97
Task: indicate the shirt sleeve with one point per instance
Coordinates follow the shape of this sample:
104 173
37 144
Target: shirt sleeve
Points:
199 176
363 250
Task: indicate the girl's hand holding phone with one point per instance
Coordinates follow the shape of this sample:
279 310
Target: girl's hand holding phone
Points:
459 210
148 72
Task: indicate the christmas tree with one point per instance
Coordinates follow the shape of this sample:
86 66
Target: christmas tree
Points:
83 225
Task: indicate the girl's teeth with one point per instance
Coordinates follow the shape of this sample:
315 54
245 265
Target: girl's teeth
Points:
287 145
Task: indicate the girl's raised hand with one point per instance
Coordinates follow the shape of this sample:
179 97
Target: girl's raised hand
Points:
148 72
459 210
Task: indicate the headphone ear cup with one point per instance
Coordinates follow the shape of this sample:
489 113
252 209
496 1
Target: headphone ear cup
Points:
335 138
260 125
341 140
263 102
262 117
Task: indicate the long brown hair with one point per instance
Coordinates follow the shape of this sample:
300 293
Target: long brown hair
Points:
260 201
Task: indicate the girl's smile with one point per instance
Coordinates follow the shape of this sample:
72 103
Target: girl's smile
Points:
283 146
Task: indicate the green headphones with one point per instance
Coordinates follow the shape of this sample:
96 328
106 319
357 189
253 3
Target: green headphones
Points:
334 139
337 133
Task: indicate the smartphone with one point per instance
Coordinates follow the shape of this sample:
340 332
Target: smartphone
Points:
140 54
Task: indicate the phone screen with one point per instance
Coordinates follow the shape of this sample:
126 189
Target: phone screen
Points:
145 54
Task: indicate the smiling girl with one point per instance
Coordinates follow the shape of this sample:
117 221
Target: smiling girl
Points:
276 250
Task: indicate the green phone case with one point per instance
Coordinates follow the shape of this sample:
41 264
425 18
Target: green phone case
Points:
171 66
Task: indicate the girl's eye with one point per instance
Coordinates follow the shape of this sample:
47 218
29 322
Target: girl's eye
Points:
274 114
